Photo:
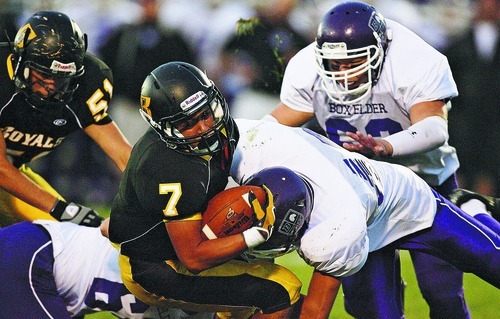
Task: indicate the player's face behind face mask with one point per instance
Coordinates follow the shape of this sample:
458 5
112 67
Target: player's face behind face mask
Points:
350 73
200 128
353 32
50 88
347 76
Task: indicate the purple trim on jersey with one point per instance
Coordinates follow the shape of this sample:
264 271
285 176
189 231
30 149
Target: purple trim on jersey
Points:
489 221
28 289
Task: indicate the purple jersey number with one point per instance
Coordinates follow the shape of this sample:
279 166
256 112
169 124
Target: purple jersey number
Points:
337 127
112 296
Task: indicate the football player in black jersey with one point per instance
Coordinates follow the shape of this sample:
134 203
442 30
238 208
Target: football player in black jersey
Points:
174 170
50 88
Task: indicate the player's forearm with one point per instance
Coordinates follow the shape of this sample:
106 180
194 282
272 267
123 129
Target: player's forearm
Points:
18 185
195 253
424 136
211 253
320 297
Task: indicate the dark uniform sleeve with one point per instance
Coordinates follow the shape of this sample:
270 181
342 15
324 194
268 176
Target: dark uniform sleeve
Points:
92 98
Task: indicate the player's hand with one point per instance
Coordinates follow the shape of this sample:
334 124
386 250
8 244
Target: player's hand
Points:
78 214
263 223
263 214
368 145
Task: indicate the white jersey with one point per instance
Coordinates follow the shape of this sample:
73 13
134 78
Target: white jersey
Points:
360 205
86 272
413 72
83 258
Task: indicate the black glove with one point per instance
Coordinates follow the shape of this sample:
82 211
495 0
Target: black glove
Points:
78 214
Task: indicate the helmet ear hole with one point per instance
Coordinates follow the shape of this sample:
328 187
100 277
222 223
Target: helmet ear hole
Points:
26 73
157 85
86 41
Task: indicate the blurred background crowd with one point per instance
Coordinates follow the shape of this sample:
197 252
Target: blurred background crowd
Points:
244 45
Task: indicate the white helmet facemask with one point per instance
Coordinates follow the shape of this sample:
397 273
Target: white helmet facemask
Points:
336 83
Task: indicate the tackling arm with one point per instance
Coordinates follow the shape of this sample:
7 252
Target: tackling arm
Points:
321 295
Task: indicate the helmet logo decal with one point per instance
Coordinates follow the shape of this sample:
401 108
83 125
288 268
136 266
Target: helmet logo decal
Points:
193 99
145 103
292 222
375 23
21 34
63 67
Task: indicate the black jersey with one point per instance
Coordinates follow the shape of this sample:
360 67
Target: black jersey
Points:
31 132
160 184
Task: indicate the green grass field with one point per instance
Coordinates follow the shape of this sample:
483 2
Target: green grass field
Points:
482 298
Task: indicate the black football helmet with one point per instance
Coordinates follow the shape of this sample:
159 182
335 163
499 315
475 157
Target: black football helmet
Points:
53 45
178 93
350 30
293 200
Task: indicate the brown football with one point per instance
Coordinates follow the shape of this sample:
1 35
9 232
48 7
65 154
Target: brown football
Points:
229 212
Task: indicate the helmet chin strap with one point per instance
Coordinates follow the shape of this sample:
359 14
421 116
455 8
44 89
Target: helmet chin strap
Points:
210 146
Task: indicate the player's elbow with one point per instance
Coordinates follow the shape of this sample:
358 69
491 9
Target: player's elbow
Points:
437 131
343 266
195 270
191 265
195 265
104 228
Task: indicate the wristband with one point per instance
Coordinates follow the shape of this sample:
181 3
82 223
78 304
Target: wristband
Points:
253 237
421 137
58 209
